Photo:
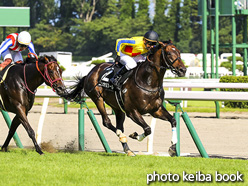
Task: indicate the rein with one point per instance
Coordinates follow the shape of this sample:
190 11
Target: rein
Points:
46 75
135 80
26 85
167 66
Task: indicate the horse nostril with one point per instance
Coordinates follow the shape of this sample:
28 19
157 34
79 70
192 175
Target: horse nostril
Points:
183 70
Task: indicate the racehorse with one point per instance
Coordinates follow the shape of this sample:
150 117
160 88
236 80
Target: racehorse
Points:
141 93
17 90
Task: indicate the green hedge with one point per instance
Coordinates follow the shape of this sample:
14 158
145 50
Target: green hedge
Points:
234 79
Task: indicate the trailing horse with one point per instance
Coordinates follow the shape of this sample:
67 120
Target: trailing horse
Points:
141 93
17 90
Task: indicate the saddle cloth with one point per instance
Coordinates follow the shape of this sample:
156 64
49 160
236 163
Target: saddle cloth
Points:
110 72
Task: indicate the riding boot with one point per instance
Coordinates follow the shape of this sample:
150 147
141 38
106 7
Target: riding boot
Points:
115 79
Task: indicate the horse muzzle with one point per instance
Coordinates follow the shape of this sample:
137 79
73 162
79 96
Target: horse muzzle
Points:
60 89
181 71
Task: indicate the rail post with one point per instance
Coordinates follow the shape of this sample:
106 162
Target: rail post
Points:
65 106
99 131
81 129
95 124
190 127
194 135
177 117
8 121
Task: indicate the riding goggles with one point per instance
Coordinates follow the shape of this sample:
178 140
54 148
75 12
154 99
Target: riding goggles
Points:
151 43
23 46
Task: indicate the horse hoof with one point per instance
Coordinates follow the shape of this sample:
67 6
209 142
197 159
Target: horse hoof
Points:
40 152
172 150
130 153
4 149
134 135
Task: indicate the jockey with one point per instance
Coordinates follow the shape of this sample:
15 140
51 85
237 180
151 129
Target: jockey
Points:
131 51
11 48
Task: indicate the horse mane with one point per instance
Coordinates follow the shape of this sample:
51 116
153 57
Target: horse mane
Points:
29 60
158 46
32 59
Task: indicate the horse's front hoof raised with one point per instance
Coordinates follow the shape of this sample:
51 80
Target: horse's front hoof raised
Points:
172 150
130 153
133 135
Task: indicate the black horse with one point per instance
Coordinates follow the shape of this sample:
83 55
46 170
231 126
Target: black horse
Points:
17 90
142 93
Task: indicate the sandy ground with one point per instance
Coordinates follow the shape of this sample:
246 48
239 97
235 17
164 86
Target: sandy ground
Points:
225 136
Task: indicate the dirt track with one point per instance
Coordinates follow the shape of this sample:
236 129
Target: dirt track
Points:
225 136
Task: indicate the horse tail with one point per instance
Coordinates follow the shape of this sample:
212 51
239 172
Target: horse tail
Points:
77 91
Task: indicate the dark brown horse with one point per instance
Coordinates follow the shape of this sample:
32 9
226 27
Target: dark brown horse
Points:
18 86
142 93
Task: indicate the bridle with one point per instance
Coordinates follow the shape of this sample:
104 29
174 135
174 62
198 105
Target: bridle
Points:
46 75
168 63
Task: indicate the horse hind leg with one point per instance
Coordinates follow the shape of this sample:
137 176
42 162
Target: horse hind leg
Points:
14 125
120 118
123 140
105 119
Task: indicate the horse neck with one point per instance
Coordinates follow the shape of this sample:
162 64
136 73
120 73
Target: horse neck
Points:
33 77
154 70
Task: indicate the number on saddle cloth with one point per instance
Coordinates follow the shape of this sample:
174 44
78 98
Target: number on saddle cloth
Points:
110 72
107 74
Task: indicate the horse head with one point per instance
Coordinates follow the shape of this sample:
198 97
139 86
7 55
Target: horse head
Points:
171 58
52 73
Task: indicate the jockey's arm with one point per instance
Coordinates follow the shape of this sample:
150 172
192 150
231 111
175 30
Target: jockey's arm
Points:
5 45
31 48
122 42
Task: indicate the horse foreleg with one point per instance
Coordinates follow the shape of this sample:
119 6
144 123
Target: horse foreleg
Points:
120 118
14 125
137 118
163 114
24 120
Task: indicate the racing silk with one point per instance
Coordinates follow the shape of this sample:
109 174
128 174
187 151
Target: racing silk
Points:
12 44
131 46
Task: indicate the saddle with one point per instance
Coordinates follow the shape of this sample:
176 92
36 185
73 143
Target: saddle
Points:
110 72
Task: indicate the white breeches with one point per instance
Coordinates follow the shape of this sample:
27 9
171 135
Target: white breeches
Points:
130 62
14 55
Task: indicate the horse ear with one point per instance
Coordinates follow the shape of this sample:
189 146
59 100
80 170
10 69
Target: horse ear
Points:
46 59
163 43
53 58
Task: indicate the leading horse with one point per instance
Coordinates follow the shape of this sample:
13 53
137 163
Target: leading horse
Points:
17 90
142 93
